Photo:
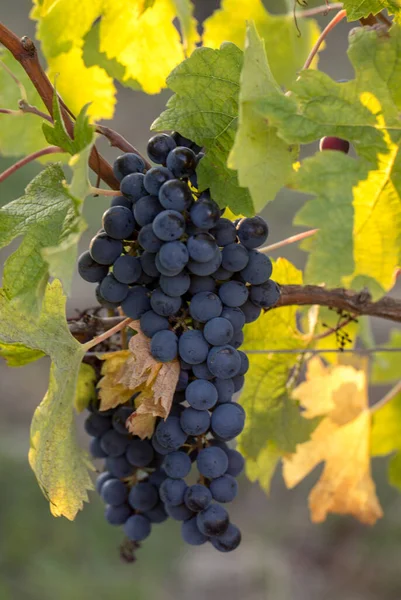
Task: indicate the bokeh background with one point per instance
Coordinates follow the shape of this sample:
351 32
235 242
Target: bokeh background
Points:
282 557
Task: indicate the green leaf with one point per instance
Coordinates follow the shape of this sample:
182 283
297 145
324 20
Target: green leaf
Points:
18 355
258 154
386 366
85 390
60 466
262 468
205 109
48 217
190 36
272 416
386 438
57 134
357 9
366 112
286 48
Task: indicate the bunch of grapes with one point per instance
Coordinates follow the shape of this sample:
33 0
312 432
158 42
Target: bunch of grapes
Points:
193 278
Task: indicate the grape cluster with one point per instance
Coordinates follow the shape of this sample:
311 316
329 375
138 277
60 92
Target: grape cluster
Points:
193 278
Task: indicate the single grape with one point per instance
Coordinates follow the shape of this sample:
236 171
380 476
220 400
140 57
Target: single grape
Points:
96 449
117 515
239 381
197 497
195 422
146 209
136 303
225 390
201 284
105 250
224 232
178 513
157 514
212 461
193 347
334 143
164 346
250 311
191 534
172 491
205 213
233 293
244 363
169 225
235 257
259 268
205 306
132 186
201 371
113 443
265 295
236 462
151 323
213 521
237 340
175 195
236 317
164 305
90 270
143 496
224 361
173 255
159 147
101 479
202 247
112 290
207 268
139 453
155 178
148 239
224 488
228 421
230 540
96 425
169 433
181 161
127 163
114 492
120 417
201 394
127 269
137 528
119 466
252 232
177 465
121 201
167 272
118 222
175 286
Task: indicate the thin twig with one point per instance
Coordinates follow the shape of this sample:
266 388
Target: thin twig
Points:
104 336
319 10
17 81
118 141
335 20
27 159
332 330
9 111
101 192
290 240
25 107
387 398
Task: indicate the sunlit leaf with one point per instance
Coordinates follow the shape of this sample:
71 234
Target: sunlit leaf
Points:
18 355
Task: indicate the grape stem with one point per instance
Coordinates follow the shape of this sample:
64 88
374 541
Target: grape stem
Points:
104 336
27 159
335 21
101 192
290 240
387 398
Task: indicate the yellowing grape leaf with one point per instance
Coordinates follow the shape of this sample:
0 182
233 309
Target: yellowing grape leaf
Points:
189 29
18 355
111 391
272 416
386 366
286 49
205 109
366 112
357 9
386 438
85 391
60 466
341 440
258 154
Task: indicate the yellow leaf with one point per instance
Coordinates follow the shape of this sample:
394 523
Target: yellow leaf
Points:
78 84
341 440
112 393
146 43
85 390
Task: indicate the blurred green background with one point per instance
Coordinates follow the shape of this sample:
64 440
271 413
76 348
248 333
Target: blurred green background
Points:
282 557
